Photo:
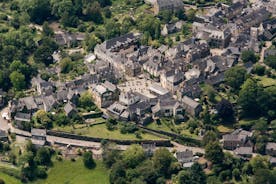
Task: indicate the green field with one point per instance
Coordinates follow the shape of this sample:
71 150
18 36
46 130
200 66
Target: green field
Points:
100 131
70 172
9 179
168 126
265 81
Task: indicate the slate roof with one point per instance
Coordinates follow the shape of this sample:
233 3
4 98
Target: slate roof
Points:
184 154
68 108
109 44
271 146
190 102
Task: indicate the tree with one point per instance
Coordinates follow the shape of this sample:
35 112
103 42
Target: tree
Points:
166 15
47 31
66 65
250 99
271 61
225 109
18 80
210 136
184 177
86 101
214 153
162 160
93 12
43 156
249 55
88 160
39 11
117 173
191 15
180 14
197 174
259 70
41 117
133 156
235 77
44 55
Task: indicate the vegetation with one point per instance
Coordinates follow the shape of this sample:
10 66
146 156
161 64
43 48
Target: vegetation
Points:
74 172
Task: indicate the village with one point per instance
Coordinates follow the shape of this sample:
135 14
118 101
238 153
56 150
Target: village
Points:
131 83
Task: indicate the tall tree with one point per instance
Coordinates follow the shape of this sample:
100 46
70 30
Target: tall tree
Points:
235 77
214 153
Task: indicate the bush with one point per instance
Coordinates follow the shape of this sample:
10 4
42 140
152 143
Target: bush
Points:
259 70
88 160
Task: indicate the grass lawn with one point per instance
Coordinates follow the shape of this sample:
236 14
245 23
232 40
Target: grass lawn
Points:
68 172
9 179
168 126
162 126
266 81
102 132
224 129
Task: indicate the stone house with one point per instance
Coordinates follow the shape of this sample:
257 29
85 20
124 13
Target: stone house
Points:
184 156
70 109
171 79
105 94
238 138
170 5
270 149
191 107
38 137
167 108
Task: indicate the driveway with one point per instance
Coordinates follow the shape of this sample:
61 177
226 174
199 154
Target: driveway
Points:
4 125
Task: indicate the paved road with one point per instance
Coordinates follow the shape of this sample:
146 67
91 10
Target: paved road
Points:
4 125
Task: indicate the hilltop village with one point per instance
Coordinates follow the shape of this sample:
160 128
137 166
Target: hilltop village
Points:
195 79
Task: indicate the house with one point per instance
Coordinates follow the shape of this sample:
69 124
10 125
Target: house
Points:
238 138
272 161
139 111
184 157
42 87
244 152
172 28
128 98
67 39
104 94
22 117
251 19
49 102
154 65
167 108
70 109
38 137
171 79
2 98
193 91
270 149
170 5
132 68
190 106
234 10
3 136
215 37
117 111
149 148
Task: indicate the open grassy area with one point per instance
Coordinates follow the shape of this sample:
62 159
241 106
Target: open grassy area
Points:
224 129
9 179
266 81
168 126
70 172
102 132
